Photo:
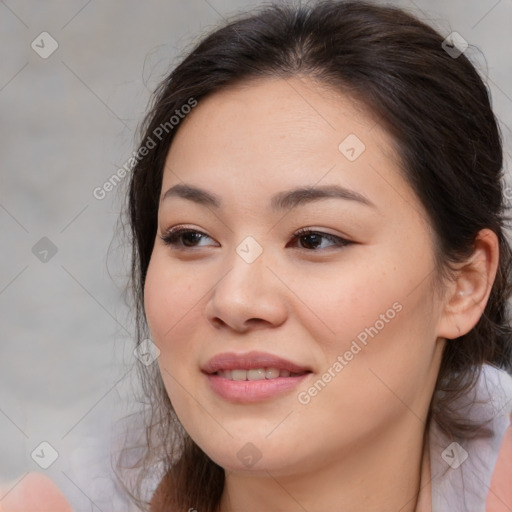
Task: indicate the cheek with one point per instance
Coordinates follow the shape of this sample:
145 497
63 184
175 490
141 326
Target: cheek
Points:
172 303
171 306
342 300
375 326
377 368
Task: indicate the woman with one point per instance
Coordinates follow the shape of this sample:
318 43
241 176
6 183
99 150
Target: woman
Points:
319 257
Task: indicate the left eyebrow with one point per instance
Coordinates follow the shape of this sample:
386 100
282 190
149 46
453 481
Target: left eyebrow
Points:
285 200
298 196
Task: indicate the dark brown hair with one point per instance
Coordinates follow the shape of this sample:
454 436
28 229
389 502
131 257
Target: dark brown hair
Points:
437 110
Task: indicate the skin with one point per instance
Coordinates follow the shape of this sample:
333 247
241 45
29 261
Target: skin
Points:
358 444
32 492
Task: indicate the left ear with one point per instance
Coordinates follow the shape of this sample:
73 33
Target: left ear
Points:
467 296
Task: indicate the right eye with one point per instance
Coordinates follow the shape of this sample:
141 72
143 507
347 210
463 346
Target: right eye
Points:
182 238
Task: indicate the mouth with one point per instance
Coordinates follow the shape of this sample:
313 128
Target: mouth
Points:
252 366
257 374
252 376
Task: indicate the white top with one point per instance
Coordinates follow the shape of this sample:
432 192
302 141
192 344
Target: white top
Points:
461 473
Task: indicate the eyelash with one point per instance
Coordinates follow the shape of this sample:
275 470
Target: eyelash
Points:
172 236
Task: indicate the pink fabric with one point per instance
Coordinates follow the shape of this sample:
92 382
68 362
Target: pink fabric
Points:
499 498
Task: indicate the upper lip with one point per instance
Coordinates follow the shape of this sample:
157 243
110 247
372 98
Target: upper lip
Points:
250 360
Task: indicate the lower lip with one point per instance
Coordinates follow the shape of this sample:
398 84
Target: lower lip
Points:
252 390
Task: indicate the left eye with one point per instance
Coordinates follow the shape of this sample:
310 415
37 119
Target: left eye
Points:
183 238
314 238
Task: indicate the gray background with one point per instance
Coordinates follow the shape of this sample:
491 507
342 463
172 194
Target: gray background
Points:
67 124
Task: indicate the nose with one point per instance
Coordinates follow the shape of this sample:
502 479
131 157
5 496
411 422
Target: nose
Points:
249 296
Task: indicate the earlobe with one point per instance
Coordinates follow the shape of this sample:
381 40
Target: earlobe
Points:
468 294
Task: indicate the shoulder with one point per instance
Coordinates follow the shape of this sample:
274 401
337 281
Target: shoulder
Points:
480 459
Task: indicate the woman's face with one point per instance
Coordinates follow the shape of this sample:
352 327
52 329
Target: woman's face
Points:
351 305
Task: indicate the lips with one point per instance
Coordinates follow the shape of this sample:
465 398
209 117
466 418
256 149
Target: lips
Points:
253 376
229 363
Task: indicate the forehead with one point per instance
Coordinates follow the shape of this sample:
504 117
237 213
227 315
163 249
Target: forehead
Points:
274 113
259 137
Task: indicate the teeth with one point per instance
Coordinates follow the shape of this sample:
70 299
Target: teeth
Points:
238 374
272 373
255 374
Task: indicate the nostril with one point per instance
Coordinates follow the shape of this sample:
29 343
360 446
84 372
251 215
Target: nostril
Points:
217 322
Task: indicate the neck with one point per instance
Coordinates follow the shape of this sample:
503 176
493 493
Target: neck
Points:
390 473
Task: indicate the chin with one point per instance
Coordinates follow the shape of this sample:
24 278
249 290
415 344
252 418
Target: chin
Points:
254 458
